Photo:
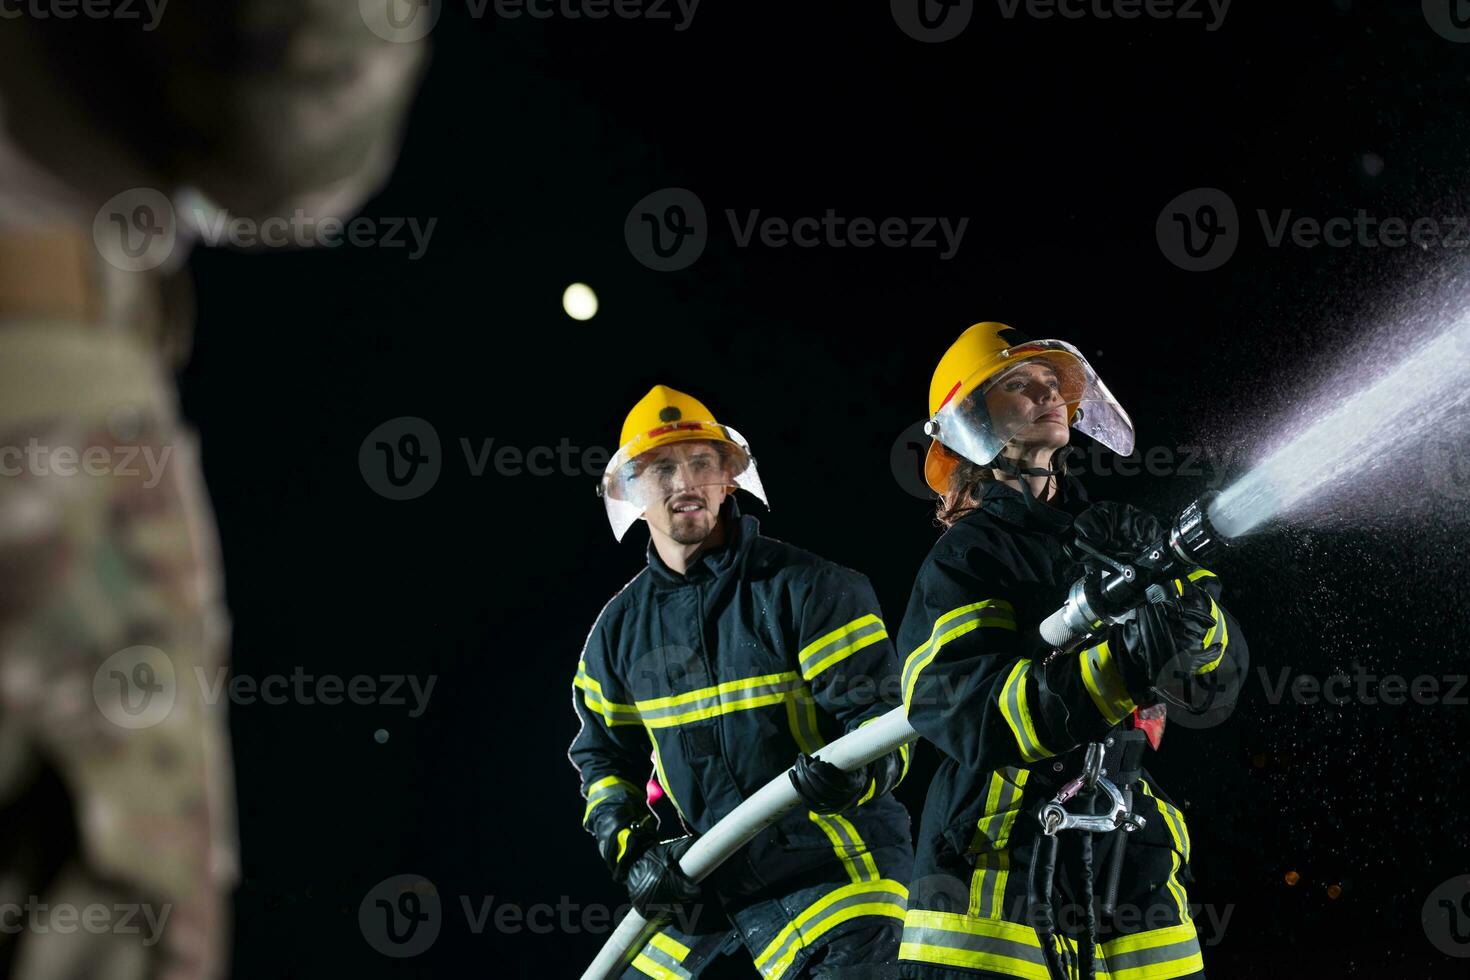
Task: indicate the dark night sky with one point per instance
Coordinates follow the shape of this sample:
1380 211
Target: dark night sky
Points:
1061 141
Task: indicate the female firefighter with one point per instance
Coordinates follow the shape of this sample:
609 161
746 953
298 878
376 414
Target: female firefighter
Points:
992 894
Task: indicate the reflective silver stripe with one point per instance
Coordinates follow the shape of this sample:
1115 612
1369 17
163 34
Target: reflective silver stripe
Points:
1153 956
776 958
1017 714
1002 804
801 714
989 612
850 848
974 943
659 965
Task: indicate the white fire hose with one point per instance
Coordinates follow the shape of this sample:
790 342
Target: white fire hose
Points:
768 804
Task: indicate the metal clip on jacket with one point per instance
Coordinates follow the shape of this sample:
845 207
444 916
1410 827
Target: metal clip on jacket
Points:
1055 817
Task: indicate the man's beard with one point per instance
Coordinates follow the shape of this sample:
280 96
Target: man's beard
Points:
691 530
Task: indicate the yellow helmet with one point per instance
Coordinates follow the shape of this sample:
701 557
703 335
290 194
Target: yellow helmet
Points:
661 417
962 427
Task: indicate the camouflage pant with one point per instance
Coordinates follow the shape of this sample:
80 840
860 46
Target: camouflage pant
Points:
116 836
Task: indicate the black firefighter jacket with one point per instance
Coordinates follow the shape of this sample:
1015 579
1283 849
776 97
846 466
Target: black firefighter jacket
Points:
762 650
970 688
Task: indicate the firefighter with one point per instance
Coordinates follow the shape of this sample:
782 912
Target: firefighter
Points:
729 658
1012 717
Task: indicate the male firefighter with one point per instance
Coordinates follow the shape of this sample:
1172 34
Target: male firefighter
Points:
729 658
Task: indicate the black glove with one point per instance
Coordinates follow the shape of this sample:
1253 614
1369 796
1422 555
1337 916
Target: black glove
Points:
623 833
1119 531
827 789
1165 639
656 885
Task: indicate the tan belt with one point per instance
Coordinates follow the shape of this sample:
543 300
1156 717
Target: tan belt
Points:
57 355
48 273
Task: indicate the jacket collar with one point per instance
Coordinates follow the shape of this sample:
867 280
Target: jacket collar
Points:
1006 504
741 530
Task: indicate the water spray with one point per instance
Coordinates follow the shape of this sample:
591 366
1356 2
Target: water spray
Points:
1348 438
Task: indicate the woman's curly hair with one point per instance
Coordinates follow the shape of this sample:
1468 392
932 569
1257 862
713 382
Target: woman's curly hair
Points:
967 486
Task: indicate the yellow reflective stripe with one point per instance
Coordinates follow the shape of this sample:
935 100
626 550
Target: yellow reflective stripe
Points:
849 845
988 883
1103 679
1200 573
1219 633
1017 713
609 788
996 613
1159 954
952 939
840 644
704 693
1174 821
670 945
801 717
882 897
711 702
663 780
610 711
623 843
904 756
645 963
1002 806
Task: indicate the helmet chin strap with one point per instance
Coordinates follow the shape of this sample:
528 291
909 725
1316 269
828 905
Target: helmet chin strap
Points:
1038 510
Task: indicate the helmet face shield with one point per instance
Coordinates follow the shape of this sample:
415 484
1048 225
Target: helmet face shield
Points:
977 425
672 459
